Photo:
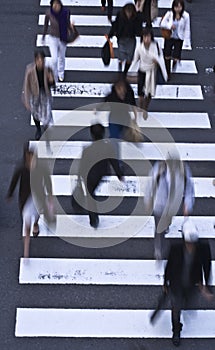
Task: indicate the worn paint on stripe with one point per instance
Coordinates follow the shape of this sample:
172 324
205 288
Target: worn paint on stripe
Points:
132 186
98 90
95 41
96 65
155 119
103 323
140 151
93 271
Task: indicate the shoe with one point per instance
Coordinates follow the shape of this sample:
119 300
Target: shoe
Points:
38 135
36 230
176 336
145 114
94 223
60 79
174 66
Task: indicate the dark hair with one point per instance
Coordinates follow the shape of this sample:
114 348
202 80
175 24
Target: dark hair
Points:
130 8
145 32
39 53
176 3
59 2
97 131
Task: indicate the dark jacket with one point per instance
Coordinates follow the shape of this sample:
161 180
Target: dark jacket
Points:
33 183
95 163
119 109
201 265
123 27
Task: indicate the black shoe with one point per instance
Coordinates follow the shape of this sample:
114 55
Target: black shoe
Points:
176 339
38 135
176 336
94 223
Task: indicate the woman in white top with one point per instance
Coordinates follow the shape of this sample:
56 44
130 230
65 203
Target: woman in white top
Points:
149 55
178 21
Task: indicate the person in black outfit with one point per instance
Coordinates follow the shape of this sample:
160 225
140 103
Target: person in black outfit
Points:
95 163
187 262
126 27
110 8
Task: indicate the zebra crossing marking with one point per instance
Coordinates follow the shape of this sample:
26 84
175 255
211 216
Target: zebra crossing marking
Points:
94 271
132 186
96 65
86 20
97 41
146 150
120 3
155 119
112 226
100 90
108 323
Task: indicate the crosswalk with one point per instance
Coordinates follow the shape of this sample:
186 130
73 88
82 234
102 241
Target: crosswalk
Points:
109 322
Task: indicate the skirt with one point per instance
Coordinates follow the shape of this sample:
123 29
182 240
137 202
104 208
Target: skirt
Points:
41 108
126 48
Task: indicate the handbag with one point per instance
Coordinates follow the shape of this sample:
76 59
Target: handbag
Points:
166 33
107 52
72 33
79 198
133 132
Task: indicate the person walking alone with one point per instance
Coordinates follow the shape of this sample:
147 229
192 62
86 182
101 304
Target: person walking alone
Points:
59 19
36 94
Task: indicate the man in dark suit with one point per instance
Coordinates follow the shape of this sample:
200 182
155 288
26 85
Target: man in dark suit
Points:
95 163
186 265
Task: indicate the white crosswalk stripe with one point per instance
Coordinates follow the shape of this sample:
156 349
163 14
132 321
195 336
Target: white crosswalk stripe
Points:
145 150
103 323
114 323
155 119
94 41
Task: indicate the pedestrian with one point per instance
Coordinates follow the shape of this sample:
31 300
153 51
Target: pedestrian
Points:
34 182
120 102
95 162
109 9
148 9
36 93
149 55
187 264
170 187
59 19
177 20
125 27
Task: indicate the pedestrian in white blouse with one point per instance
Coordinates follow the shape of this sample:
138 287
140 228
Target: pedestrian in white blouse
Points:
178 21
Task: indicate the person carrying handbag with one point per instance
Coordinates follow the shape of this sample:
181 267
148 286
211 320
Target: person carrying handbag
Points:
177 20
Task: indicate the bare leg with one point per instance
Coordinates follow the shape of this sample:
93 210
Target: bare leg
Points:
26 242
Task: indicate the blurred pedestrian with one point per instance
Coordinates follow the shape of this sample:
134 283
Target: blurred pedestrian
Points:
148 10
34 182
109 8
59 19
120 102
187 264
149 55
95 162
178 21
37 92
125 28
170 186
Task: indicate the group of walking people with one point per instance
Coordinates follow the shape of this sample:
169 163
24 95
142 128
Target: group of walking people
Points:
170 186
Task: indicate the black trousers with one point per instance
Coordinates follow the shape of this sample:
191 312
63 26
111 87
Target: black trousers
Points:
110 6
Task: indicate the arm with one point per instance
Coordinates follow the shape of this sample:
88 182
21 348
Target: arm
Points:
166 21
114 27
46 24
13 183
189 195
187 30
